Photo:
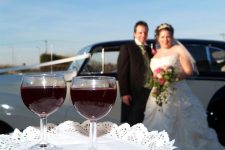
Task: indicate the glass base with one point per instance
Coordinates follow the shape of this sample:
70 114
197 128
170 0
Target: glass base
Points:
85 146
91 148
47 146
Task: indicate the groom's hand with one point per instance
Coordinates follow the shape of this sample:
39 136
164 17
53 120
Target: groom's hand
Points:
126 99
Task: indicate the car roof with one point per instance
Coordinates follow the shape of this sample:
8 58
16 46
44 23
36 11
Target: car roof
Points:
217 43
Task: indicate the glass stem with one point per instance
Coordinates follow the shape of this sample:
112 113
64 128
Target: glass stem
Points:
43 130
93 134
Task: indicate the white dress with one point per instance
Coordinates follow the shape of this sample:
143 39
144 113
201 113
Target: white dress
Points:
183 117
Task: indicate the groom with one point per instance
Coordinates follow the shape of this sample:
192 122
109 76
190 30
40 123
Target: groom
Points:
134 75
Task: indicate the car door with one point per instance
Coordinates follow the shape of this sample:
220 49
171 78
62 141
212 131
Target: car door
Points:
209 85
103 61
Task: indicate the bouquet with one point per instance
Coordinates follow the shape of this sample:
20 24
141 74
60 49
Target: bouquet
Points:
162 78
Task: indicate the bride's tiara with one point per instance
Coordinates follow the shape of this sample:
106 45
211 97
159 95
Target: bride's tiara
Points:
164 26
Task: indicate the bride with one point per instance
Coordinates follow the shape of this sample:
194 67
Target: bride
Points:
178 112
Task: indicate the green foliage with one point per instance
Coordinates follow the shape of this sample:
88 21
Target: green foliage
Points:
47 58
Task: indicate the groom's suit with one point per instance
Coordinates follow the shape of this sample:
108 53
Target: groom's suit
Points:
132 69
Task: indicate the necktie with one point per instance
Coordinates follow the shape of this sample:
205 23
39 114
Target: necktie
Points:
147 83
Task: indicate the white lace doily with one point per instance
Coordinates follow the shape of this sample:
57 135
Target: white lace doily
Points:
69 132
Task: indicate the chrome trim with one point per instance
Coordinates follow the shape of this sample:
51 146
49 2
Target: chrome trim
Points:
208 54
103 60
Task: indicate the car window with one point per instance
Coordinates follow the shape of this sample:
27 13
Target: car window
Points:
103 60
217 58
208 59
200 55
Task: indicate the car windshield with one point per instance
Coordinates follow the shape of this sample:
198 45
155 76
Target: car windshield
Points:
75 65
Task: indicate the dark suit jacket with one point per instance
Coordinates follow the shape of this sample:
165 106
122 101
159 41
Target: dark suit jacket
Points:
131 77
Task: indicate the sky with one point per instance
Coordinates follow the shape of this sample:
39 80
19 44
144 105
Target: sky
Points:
31 27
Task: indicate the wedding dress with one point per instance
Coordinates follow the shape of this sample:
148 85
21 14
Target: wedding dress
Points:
182 117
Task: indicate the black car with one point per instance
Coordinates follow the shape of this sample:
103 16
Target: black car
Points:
208 85
101 59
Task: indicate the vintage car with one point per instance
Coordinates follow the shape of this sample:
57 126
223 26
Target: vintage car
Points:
208 85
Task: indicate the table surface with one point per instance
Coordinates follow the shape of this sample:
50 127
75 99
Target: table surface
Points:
73 135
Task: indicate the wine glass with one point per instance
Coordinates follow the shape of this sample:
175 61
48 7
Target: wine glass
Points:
93 98
43 94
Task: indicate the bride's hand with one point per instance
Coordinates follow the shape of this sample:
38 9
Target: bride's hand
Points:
126 99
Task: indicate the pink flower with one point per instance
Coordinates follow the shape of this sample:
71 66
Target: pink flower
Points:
158 70
159 76
162 81
155 75
153 51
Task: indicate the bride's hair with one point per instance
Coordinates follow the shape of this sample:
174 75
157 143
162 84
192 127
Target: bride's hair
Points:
164 26
159 28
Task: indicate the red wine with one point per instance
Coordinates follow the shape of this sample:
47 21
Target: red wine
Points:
43 100
93 103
